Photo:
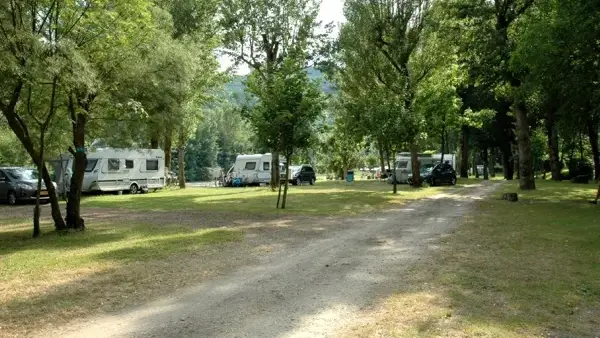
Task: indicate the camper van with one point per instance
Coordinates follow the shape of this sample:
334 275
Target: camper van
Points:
404 164
111 169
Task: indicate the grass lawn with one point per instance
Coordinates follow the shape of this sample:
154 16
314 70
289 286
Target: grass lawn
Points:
525 269
60 277
324 198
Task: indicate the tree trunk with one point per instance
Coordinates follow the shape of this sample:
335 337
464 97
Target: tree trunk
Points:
22 134
181 159
484 158
516 161
279 194
593 136
475 171
275 173
492 162
59 222
507 162
443 138
394 179
464 152
74 219
414 157
36 210
381 157
552 132
168 146
527 179
154 142
285 190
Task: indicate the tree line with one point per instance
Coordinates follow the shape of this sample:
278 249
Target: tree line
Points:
505 81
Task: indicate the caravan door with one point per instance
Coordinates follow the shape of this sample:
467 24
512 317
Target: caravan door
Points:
264 171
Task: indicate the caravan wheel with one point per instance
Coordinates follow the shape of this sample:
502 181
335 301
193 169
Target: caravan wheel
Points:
133 189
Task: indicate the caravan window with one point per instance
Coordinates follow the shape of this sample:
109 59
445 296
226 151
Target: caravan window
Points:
151 164
401 164
128 164
250 166
266 166
114 164
90 165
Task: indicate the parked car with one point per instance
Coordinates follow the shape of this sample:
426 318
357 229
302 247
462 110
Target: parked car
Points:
20 184
425 174
302 174
442 174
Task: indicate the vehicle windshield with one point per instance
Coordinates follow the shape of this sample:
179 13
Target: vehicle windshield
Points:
295 168
22 174
426 169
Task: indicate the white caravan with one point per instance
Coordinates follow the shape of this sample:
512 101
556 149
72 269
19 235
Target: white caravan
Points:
404 164
252 169
111 169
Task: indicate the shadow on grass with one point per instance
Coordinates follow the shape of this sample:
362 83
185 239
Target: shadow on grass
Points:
518 269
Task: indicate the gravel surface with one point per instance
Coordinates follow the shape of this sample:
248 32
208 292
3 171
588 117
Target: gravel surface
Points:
314 277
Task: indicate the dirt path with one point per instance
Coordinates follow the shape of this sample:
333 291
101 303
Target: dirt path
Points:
299 288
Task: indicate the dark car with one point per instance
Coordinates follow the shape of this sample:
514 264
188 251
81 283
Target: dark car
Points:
425 174
442 174
302 174
20 184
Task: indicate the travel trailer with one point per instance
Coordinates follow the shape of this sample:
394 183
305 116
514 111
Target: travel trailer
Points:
404 164
111 169
252 169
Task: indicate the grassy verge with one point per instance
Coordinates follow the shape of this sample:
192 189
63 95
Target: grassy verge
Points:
57 278
526 269
324 198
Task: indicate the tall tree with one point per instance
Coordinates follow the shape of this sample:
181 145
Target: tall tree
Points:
261 34
395 28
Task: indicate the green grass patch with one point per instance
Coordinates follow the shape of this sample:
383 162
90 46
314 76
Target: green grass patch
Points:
324 198
61 276
525 269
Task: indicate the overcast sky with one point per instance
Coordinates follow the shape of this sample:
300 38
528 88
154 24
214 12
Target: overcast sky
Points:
331 11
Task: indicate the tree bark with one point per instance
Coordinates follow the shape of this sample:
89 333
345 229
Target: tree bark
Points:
526 179
464 152
593 136
394 178
475 171
552 132
414 156
285 190
168 146
275 172
36 210
74 219
492 162
181 159
507 162
154 142
484 158
381 157
515 158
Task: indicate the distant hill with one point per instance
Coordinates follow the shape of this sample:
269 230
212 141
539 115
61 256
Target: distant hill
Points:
235 89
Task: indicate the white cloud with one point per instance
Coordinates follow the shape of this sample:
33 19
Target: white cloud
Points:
331 11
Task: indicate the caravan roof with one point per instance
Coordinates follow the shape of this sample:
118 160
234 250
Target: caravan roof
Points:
123 152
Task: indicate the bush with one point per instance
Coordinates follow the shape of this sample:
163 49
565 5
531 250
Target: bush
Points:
580 168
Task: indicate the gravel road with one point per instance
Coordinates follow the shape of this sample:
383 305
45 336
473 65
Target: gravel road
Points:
309 289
